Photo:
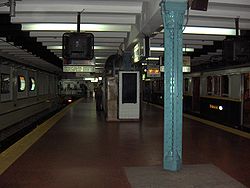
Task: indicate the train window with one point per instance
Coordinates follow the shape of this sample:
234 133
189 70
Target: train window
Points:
246 86
224 86
32 84
21 83
216 85
209 85
186 85
5 83
161 85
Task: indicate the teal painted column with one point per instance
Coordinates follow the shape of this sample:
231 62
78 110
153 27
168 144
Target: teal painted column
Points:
173 16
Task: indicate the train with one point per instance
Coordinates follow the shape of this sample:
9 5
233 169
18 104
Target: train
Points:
28 94
221 95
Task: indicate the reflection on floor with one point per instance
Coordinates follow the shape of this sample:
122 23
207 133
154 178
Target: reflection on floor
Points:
205 176
82 150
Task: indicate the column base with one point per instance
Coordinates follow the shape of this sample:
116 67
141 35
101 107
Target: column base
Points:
172 163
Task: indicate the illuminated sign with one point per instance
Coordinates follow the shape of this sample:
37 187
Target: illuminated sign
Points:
137 53
216 107
141 49
153 69
86 69
153 72
186 65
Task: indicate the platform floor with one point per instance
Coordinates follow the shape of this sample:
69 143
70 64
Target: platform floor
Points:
83 151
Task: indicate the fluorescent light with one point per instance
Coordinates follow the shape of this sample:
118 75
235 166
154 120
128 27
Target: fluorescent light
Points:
153 58
54 47
184 69
73 27
90 79
208 31
161 49
105 48
100 58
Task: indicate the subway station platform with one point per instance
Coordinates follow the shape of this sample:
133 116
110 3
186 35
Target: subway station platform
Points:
77 148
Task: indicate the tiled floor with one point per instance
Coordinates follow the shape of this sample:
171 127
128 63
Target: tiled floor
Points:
82 150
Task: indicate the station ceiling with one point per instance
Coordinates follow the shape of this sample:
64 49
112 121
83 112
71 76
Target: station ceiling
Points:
119 23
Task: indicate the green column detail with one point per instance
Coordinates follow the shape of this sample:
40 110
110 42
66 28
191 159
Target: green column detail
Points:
173 16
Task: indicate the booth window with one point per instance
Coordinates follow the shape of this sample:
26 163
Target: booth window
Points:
129 88
216 85
21 83
209 85
32 84
224 86
5 83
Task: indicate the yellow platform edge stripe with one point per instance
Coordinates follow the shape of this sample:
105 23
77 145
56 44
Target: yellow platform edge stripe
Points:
219 126
212 124
10 155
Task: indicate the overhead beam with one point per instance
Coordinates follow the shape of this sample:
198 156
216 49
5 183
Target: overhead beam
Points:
148 22
195 37
218 22
77 6
192 42
215 11
97 39
59 43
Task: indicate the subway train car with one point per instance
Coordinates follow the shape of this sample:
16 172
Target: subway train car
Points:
222 96
27 95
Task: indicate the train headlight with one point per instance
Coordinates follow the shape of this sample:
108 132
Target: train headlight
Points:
220 108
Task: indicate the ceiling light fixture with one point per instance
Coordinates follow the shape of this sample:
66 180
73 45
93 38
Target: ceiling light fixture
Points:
73 27
208 31
161 49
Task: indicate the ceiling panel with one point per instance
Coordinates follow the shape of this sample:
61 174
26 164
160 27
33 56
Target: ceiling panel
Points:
121 22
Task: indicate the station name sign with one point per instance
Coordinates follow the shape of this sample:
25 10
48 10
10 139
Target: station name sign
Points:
82 68
216 107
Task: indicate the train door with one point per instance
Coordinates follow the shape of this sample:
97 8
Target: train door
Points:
246 99
196 94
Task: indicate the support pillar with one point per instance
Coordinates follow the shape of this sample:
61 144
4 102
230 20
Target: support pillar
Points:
126 63
173 16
